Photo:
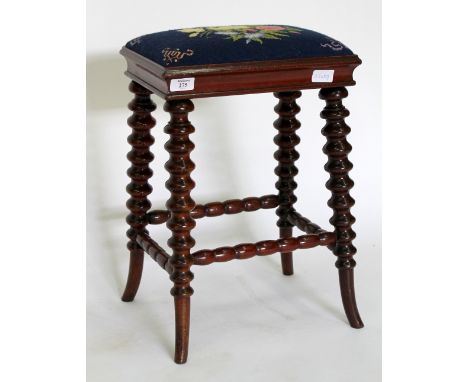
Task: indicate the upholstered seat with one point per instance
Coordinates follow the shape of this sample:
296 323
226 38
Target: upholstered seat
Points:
240 59
233 44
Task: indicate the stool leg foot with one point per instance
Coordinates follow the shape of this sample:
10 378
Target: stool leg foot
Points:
286 155
140 157
337 149
180 204
348 297
182 328
135 271
286 258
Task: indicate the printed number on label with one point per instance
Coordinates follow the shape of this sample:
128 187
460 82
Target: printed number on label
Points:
322 75
182 84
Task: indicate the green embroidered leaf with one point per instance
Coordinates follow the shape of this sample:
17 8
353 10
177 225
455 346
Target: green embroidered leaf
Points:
271 37
191 30
278 33
193 34
257 40
205 33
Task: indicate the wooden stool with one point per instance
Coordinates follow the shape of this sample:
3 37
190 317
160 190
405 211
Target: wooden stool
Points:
179 65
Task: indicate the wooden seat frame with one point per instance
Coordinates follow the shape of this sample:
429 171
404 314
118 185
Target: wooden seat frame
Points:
285 79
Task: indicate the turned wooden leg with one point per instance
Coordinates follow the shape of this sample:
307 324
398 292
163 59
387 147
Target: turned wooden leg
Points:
286 155
140 156
180 222
337 148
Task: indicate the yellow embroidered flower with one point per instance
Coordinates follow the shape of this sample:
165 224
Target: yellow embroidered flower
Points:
192 30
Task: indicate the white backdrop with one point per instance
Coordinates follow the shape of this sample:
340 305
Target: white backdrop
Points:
248 321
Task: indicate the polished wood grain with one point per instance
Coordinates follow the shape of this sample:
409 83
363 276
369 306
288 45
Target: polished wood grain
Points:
239 78
304 224
228 207
282 78
180 223
262 248
286 155
337 149
140 157
156 252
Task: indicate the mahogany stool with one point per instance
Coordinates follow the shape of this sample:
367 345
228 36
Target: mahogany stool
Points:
179 65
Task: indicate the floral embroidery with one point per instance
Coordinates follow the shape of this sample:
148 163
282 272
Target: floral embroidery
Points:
333 44
248 33
170 55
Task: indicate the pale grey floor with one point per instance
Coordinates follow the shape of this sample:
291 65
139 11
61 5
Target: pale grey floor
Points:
249 322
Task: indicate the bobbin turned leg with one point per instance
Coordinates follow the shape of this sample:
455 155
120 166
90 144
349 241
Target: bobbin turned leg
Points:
286 155
140 156
337 148
180 223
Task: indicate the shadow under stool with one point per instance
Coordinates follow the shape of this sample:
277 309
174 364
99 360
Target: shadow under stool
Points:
179 65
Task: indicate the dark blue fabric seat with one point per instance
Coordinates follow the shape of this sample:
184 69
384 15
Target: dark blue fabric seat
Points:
233 44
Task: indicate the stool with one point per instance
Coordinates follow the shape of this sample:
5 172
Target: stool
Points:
182 64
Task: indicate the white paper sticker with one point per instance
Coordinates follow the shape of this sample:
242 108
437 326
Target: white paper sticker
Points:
182 84
322 75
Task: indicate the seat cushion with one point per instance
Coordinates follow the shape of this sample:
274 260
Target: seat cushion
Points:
234 44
